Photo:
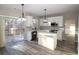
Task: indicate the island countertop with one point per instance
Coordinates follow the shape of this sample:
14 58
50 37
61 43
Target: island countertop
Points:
46 33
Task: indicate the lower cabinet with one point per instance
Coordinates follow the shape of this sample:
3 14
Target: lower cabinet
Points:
48 42
27 35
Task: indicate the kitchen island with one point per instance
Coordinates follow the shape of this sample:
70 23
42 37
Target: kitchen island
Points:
47 39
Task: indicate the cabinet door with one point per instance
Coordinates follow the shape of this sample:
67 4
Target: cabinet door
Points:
40 40
50 43
59 34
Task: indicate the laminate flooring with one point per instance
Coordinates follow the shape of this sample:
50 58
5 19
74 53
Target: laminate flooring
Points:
23 47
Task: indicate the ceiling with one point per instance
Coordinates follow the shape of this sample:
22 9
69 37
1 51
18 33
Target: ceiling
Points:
38 9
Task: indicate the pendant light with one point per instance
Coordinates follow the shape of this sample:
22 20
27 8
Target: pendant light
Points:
45 17
22 10
22 19
23 16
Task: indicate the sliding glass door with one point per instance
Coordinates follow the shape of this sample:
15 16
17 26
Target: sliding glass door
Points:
14 29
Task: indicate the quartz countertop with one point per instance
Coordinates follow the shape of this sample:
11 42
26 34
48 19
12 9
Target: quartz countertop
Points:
46 33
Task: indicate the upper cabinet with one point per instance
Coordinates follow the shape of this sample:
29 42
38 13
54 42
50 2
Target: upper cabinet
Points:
57 19
31 22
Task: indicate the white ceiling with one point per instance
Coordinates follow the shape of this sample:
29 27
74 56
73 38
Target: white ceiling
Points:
38 9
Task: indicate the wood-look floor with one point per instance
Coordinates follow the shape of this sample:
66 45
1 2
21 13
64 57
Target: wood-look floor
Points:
23 47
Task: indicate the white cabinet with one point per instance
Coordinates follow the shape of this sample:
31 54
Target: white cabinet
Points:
57 19
47 40
29 21
27 35
59 35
